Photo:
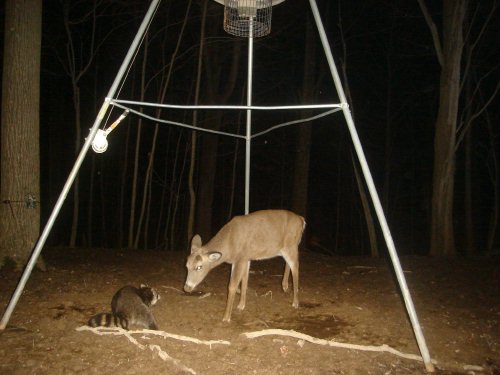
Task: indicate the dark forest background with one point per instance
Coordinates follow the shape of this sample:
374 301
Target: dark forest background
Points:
136 194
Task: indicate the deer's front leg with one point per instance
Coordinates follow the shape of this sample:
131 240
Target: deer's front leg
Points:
237 272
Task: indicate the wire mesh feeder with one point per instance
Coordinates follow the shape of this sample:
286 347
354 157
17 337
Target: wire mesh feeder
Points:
247 18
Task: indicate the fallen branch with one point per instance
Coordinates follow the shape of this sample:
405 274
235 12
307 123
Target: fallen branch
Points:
315 340
182 338
164 355
120 331
102 331
369 348
116 331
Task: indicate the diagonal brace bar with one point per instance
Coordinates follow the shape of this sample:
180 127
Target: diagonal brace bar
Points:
373 193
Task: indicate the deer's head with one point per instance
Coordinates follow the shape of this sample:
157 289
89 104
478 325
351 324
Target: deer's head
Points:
199 263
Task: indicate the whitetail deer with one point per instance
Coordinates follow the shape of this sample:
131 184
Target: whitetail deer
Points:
259 235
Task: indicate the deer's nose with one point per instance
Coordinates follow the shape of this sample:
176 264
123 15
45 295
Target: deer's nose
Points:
188 288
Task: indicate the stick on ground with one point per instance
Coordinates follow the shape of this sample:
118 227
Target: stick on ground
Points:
314 340
116 331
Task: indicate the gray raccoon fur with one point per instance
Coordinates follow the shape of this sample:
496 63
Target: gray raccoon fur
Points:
130 306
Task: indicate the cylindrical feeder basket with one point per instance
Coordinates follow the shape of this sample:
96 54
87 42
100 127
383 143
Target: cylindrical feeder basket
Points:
248 18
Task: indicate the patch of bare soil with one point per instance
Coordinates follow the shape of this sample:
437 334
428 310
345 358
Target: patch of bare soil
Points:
347 300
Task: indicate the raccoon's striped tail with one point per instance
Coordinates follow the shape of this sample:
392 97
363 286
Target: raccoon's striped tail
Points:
108 320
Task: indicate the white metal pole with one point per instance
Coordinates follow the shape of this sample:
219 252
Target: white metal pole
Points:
248 138
374 195
88 141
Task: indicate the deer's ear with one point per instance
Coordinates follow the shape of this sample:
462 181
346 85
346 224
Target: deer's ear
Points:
213 256
195 243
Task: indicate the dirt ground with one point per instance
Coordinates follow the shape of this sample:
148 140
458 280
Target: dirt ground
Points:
349 300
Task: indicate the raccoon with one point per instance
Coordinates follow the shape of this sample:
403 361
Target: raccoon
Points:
130 306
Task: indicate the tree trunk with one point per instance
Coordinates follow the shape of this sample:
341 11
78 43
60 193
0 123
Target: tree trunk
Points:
470 243
76 67
124 182
76 185
164 211
173 222
90 204
146 190
20 156
192 162
133 194
230 209
149 173
442 235
302 155
370 223
191 186
209 144
495 207
386 187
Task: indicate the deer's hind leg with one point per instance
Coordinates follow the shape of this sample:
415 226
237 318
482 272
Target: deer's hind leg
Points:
244 287
292 264
286 276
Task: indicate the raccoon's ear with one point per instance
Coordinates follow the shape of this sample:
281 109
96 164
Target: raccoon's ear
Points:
143 286
213 256
195 243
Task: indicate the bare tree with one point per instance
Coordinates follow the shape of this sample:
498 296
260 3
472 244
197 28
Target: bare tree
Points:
175 188
449 54
194 139
82 46
476 103
302 154
151 154
469 116
450 129
75 68
220 84
133 194
494 176
20 155
370 223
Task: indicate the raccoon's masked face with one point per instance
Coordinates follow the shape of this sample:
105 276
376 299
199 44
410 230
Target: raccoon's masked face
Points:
149 295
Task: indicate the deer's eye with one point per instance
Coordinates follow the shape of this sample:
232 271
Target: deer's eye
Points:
198 268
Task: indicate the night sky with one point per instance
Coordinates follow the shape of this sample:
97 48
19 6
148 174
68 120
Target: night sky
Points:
393 79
